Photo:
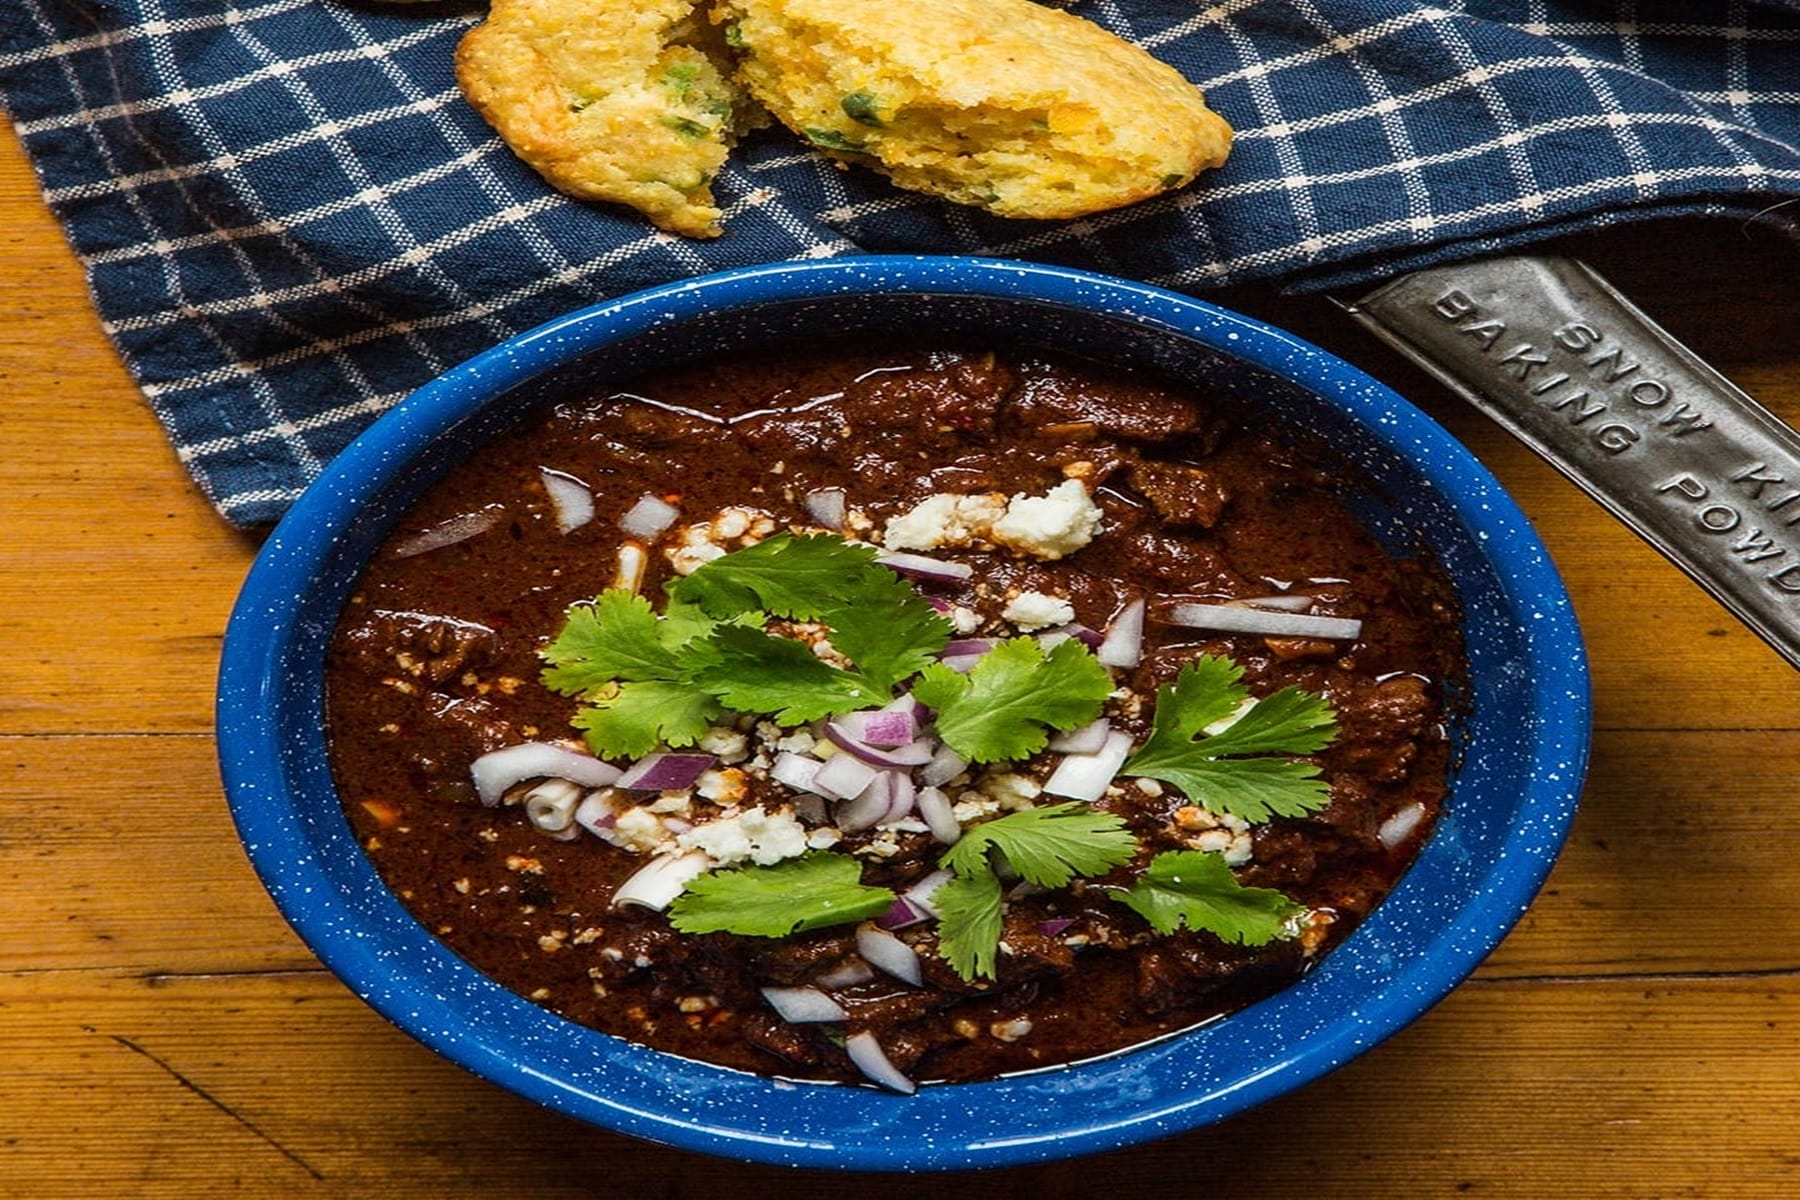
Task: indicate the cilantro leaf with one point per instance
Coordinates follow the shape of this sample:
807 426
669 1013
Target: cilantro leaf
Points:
613 637
1047 846
754 671
888 630
797 577
1198 890
1211 769
969 922
1001 708
813 891
629 720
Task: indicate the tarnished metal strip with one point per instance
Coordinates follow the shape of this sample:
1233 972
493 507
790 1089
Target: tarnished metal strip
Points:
1551 351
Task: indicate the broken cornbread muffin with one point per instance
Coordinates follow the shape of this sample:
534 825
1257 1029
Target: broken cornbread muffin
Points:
625 102
1011 107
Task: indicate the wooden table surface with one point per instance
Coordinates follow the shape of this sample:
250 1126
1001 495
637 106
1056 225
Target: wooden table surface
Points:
162 1033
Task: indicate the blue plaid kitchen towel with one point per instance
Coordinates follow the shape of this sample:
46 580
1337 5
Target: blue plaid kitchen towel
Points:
291 218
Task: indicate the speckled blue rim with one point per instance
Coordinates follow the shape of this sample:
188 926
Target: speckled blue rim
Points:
1525 743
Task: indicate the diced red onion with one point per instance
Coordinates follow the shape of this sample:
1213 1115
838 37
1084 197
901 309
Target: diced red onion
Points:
810 808
664 772
570 499
550 805
873 1062
919 894
1090 638
842 776
1228 618
827 506
794 770
911 754
1088 739
921 566
803 1005
901 913
966 646
655 884
869 807
1087 776
885 952
1397 828
939 815
1055 926
962 664
495 772
885 727
599 812
459 528
649 517
945 765
1285 601
1123 645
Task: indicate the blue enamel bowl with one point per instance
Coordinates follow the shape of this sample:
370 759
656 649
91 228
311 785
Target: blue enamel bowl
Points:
1523 738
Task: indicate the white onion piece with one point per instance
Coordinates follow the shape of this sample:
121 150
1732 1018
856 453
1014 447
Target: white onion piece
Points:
649 517
493 773
1123 645
665 772
447 533
827 506
551 805
570 498
1086 739
1229 618
885 952
882 727
922 567
939 815
848 973
901 795
632 561
662 879
803 1005
842 776
867 808
945 765
1401 825
873 1062
1285 602
962 664
796 771
1087 776
919 894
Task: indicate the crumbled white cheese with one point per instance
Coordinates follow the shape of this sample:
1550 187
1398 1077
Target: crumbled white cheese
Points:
723 787
964 620
1035 610
728 744
946 519
753 835
637 829
1050 526
1010 791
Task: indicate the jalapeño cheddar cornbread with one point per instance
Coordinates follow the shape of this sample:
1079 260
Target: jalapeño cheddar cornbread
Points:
626 102
1006 105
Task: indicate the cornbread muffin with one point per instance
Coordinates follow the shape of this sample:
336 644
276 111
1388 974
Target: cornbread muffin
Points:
622 100
1018 109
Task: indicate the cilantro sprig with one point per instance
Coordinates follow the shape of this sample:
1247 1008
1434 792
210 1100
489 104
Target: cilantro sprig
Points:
817 890
1197 890
1007 704
1047 846
1244 769
647 679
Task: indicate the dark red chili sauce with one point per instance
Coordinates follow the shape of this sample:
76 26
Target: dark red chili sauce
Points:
436 661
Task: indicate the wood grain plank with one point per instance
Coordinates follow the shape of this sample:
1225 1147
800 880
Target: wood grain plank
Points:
247 1085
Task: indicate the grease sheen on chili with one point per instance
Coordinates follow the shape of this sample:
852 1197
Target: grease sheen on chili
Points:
436 661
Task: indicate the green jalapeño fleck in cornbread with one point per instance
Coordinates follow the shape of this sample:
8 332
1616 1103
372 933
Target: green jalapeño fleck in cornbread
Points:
1021 110
609 100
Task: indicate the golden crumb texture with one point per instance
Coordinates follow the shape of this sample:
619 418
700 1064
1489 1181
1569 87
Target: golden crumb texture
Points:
629 101
1006 105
